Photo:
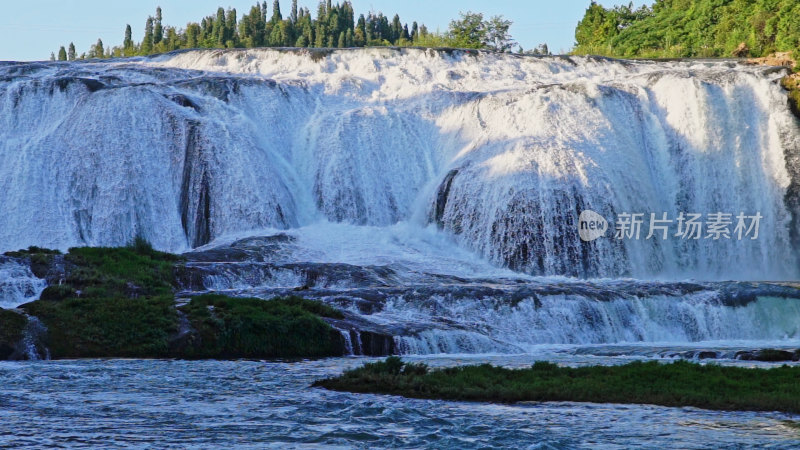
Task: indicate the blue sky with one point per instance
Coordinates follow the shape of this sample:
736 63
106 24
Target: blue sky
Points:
30 30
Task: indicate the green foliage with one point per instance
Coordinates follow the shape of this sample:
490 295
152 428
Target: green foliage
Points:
334 26
690 28
677 384
253 328
58 292
107 326
498 37
469 31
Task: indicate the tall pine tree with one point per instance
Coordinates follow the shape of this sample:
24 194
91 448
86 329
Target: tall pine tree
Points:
147 42
158 29
127 43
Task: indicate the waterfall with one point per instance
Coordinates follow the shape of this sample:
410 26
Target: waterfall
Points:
18 285
574 319
501 153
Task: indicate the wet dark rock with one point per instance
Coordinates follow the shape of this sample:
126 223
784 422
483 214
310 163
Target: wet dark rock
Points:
365 338
441 197
769 355
224 88
254 249
13 327
90 84
184 101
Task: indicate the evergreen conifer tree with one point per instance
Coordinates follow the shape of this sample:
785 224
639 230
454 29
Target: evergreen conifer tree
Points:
147 42
158 29
127 43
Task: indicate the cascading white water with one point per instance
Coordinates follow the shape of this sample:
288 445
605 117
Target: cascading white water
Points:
573 319
502 152
18 285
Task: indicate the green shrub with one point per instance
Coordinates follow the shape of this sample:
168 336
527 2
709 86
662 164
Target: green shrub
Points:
120 271
119 302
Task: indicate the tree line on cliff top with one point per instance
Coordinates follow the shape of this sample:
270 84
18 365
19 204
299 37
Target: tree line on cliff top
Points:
334 26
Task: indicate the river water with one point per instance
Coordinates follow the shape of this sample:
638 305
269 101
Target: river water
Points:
201 404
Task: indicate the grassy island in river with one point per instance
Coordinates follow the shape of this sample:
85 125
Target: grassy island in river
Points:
677 384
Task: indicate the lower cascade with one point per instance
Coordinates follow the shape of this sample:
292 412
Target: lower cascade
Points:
434 303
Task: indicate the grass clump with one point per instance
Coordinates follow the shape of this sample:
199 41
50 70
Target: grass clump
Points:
290 327
678 384
131 271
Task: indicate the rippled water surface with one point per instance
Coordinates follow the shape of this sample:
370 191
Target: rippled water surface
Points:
269 404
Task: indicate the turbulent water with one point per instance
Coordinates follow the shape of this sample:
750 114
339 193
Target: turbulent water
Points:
202 404
500 152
